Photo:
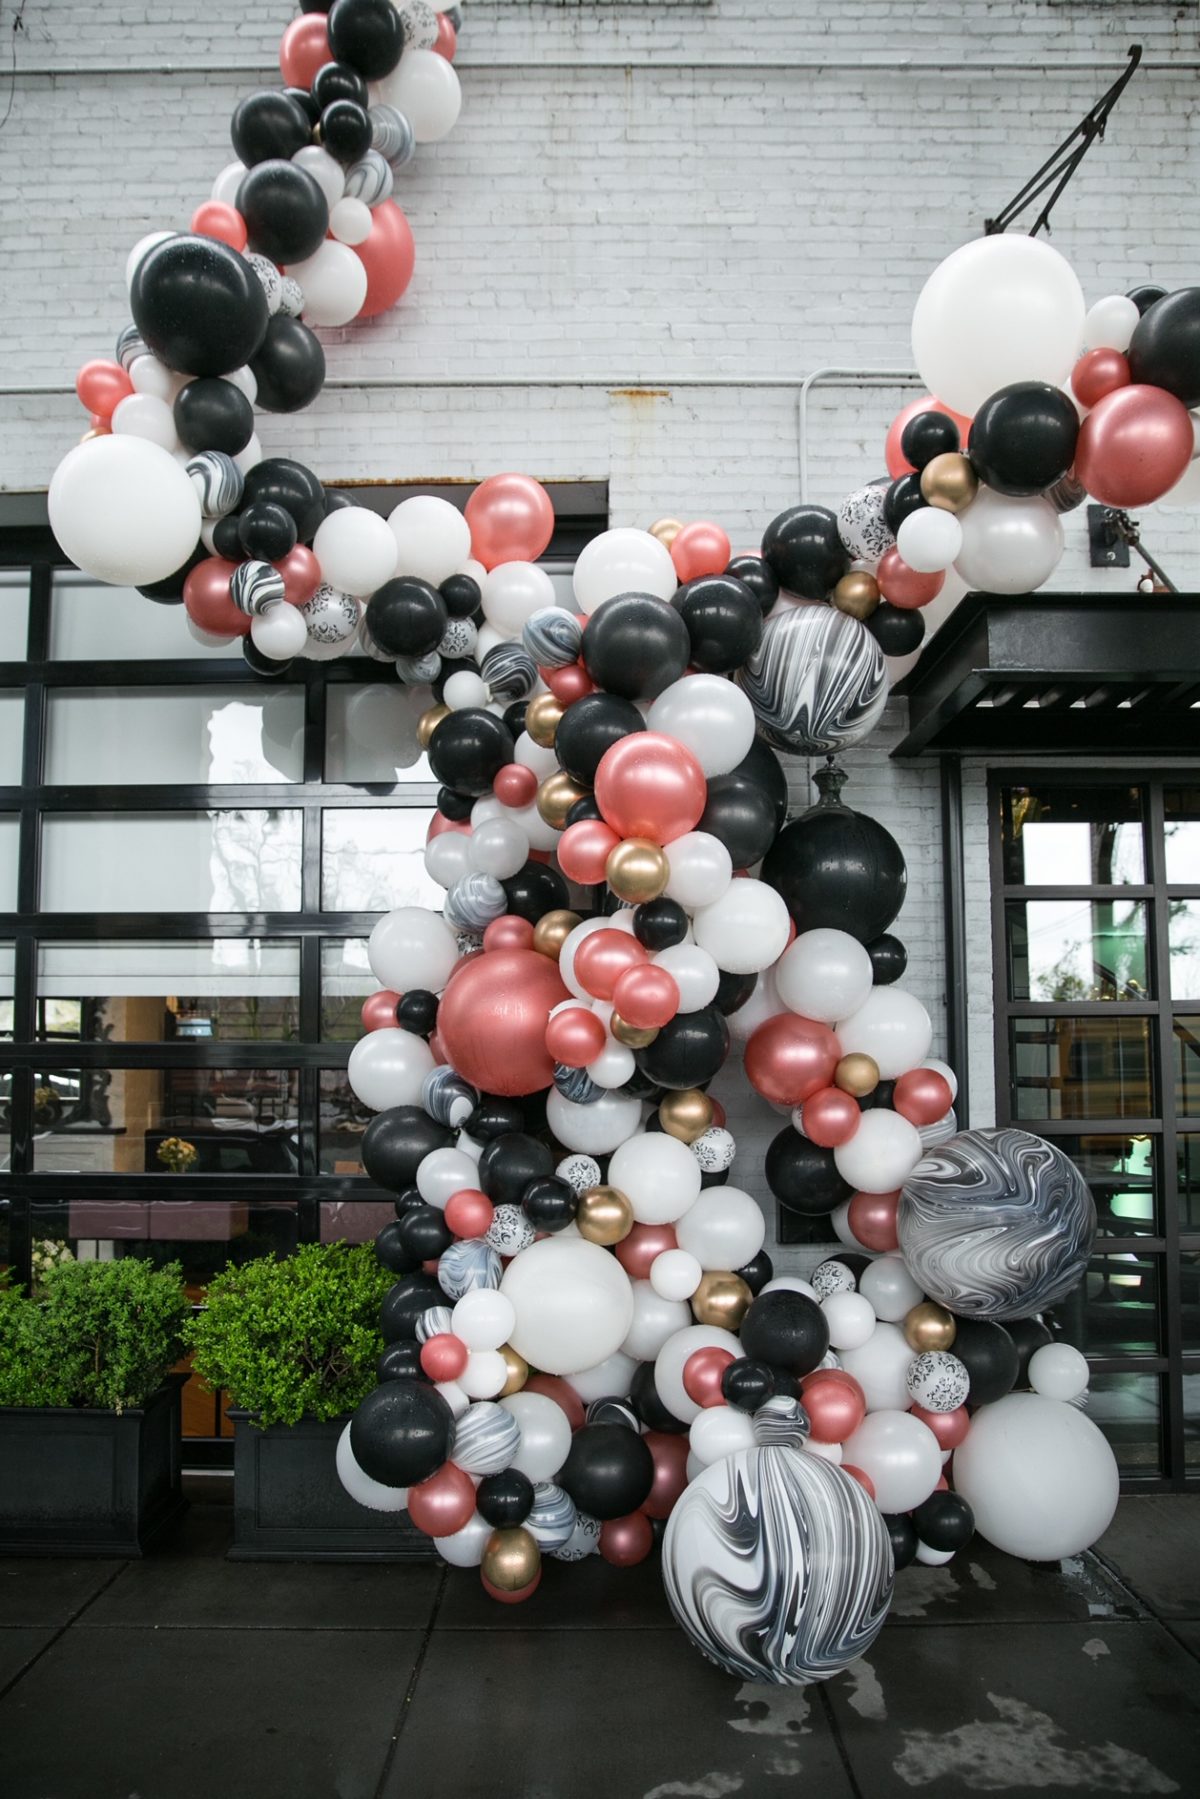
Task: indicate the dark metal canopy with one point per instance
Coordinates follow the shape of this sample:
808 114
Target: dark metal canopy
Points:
1073 674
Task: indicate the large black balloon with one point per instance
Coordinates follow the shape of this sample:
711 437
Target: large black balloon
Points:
290 485
591 726
805 551
401 1432
635 645
660 924
643 1395
468 749
509 1163
608 1472
803 1176
1165 351
199 305
368 34
724 622
1023 438
926 435
898 630
289 367
688 1051
211 414
404 1303
989 1355
759 577
268 126
839 870
785 1329
889 959
535 890
396 1142
504 1499
746 808
286 213
407 617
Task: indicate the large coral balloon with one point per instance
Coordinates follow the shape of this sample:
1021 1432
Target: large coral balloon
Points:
511 519
649 785
492 1020
388 256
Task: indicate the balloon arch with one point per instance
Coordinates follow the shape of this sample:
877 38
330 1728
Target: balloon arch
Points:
587 1349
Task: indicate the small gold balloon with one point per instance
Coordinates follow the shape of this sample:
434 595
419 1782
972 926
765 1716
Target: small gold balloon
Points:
722 1299
555 797
857 594
551 932
631 1035
94 432
428 723
949 481
929 1326
518 1371
637 870
857 1075
542 716
686 1115
605 1216
511 1559
666 530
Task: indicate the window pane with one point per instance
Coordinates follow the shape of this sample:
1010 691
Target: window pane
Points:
1069 835
353 1220
14 613
1121 1174
1081 1068
10 831
1187 1064
1183 942
171 862
374 858
12 733
93 623
1114 1311
1187 1145
175 1121
1191 1418
1189 1297
1077 950
197 734
371 733
343 1121
1181 817
243 988
1128 1409
346 980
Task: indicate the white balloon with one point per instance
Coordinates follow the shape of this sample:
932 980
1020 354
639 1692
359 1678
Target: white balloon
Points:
279 632
720 1430
150 376
882 1153
763 1003
613 1067
929 539
440 1175
432 536
1039 1477
622 561
1058 1371
890 1288
655 1318
142 415
694 973
899 1454
387 1068
725 1228
448 858
1110 323
483 1317
485 1375
545 1434
244 379
454 1396
225 187
1009 545
350 221
411 947
465 688
669 1364
371 1493
334 280
708 714
542 760
746 930
880 1366
607 1380
675 1274
892 1027
513 592
851 1319
251 455
498 847
595 1129
828 1452
658 1175
424 87
825 974
464 1548
573 1301
701 868
325 170
791 1283
840 1220
355 549
141 250
124 510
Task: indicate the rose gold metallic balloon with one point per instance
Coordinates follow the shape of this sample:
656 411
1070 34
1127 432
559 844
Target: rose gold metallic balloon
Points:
856 594
857 1074
555 797
949 481
379 1010
542 716
552 930
649 785
929 1326
508 932
515 785
701 548
872 1220
638 1250
553 1386
702 1375
864 1480
830 1117
789 1057
722 1298
511 1558
575 1036
626 1541
584 849
647 996
670 1453
570 683
469 1212
605 1216
301 575
922 1096
207 601
602 957
492 1021
835 1408
511 519
444 1503
1133 446
666 530
1097 373
631 1035
518 1371
428 723
686 1114
950 1428
637 870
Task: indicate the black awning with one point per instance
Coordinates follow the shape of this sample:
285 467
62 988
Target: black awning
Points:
1068 673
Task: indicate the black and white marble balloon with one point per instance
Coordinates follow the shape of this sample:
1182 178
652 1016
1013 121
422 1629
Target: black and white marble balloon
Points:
817 682
778 1566
370 179
576 1084
131 344
486 1438
253 586
391 134
584 1540
416 671
434 1322
996 1224
467 1264
447 1097
473 902
552 1517
781 1422
553 637
218 481
509 672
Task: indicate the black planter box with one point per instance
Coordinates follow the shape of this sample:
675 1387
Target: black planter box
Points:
76 1482
290 1506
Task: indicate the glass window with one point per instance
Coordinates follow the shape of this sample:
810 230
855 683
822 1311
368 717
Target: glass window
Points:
227 861
1187 1064
1115 1310
12 735
1191 1418
1189 1298
1082 1067
1063 834
93 623
1121 1174
1077 949
343 1121
7 971
1128 1409
10 832
99 735
178 1121
346 980
1183 942
233 988
14 613
1187 1146
371 733
353 1220
373 858
1181 831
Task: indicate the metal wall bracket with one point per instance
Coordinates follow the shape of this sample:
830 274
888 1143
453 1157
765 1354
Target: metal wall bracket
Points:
1108 548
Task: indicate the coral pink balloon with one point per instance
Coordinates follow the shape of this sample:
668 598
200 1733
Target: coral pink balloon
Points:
511 519
99 424
950 1428
864 1480
216 219
583 850
670 1453
1099 372
648 785
700 549
102 385
446 41
897 462
438 825
515 785
301 575
646 997
492 1020
922 1096
468 1212
444 1356
789 1058
835 1408
444 1503
304 48
388 256
645 1241
702 1375
379 1010
207 602
602 957
508 932
568 684
872 1220
503 1594
1133 446
830 1117
553 1386
906 587
624 1542
575 1036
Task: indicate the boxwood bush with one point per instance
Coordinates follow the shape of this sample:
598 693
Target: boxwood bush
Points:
99 1334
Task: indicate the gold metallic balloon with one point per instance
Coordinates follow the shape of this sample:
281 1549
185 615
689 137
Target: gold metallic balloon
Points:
518 1371
666 530
631 1035
551 932
555 797
949 481
686 1115
857 594
637 870
929 1326
722 1299
605 1216
428 723
94 432
511 1559
542 717
857 1075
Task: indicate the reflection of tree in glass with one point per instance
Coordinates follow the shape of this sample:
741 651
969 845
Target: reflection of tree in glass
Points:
254 861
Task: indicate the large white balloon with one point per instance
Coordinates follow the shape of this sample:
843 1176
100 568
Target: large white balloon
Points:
708 714
900 1455
1039 1477
763 1003
669 1365
880 1366
356 550
433 538
388 1068
545 1434
882 1153
892 1027
725 1228
371 1493
655 1318
1009 545
746 929
595 1129
411 947
825 974
424 87
658 1175
574 1302
334 280
623 561
701 868
124 510
998 310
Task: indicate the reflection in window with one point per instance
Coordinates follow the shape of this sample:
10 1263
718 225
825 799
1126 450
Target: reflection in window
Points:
14 612
1063 950
1183 940
176 1121
346 980
373 858
1187 1146
230 988
226 861
1115 1309
1187 1064
344 1118
1181 831
1121 1174
99 735
353 1220
93 623
1069 835
371 733
1128 1409
10 831
1082 1067
12 736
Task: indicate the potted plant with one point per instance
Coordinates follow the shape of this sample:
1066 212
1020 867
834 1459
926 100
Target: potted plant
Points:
89 1414
294 1343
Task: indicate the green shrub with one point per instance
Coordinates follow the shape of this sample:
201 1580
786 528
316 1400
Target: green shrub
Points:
296 1338
99 1334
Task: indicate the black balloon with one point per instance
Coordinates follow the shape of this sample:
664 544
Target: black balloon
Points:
400 1361
199 305
898 630
724 622
535 890
424 1233
468 749
266 531
747 1384
290 485
169 591
286 213
904 1538
401 1433
396 1142
405 1201
889 959
227 538
338 81
803 1176
688 1051
643 1395
1145 297
926 435
733 990
268 126
509 1163
404 1303
211 414
944 1521
989 1355
346 131
746 808
660 923
504 1499
455 806
289 367
903 496
549 1203
368 34
1028 1335
608 1471
635 645
494 1117
463 595
838 869
786 1329
1165 351
584 808
758 1272
759 577
1023 438
589 727
407 617
266 666
306 101
416 1011
805 551
392 1250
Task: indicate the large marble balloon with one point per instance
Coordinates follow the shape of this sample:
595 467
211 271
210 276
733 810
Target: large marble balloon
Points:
817 682
778 1566
996 1224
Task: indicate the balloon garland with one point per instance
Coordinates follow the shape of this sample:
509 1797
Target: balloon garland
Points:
587 1349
